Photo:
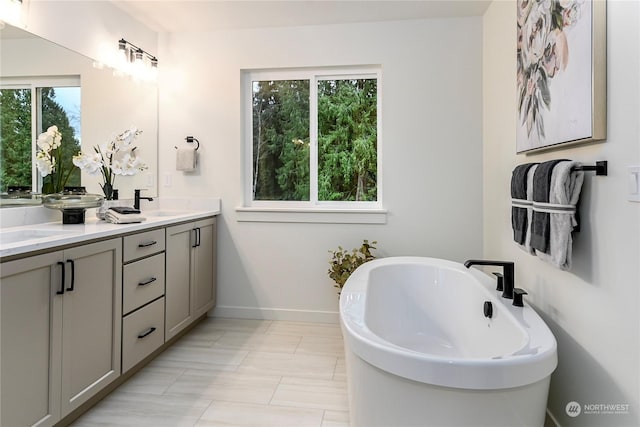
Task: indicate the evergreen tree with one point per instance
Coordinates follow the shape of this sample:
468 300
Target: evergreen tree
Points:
281 140
54 114
16 157
15 138
347 140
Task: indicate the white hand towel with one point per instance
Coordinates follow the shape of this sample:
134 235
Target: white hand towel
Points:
116 218
564 194
186 159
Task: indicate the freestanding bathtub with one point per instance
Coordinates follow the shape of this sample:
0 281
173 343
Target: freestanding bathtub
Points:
421 352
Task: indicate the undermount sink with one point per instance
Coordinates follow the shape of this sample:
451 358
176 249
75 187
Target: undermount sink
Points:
165 212
8 237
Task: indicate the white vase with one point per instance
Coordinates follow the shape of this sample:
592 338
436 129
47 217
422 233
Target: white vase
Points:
106 204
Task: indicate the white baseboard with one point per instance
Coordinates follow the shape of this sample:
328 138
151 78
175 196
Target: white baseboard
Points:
275 314
550 420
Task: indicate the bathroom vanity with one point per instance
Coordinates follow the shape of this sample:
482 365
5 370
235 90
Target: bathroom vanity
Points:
84 306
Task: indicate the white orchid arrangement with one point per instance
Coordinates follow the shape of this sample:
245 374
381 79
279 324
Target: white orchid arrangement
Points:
543 51
111 159
49 161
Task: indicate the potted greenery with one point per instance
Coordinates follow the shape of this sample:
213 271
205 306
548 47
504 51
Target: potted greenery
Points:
343 263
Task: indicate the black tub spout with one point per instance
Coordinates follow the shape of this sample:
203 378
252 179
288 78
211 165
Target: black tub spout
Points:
507 271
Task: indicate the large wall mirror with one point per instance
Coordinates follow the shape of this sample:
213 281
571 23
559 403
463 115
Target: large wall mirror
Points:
96 104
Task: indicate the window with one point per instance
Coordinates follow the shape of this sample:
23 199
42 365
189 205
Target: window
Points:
313 138
29 107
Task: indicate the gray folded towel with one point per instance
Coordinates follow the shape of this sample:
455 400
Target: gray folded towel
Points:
564 194
541 224
519 202
527 241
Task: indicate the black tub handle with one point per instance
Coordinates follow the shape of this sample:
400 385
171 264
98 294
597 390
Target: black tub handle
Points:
147 332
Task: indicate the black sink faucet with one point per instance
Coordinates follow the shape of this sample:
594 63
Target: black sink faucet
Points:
136 199
507 271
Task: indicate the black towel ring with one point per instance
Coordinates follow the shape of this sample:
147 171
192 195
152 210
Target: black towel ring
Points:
190 140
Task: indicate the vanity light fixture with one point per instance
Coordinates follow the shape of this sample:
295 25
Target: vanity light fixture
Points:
12 12
136 62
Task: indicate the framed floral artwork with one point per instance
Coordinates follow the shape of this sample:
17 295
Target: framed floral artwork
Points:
561 73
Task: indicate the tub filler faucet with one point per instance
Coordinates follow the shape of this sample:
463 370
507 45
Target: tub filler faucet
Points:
507 274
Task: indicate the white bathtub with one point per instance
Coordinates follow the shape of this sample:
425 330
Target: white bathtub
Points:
420 351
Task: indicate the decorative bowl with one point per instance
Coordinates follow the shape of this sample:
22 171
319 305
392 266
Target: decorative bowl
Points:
72 204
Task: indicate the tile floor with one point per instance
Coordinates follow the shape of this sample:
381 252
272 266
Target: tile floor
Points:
236 372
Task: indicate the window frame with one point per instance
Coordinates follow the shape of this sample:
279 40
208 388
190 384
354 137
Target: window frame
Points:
35 84
313 205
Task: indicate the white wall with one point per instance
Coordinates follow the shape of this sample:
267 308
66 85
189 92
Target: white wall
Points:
592 310
431 73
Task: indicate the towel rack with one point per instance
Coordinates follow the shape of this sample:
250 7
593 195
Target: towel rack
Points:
190 140
600 168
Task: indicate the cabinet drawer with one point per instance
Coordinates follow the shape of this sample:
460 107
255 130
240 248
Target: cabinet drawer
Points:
143 244
142 333
142 282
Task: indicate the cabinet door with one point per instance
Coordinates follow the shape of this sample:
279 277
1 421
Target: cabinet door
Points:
178 307
30 331
204 273
92 319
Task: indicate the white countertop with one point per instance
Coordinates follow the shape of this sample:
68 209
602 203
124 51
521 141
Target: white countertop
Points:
48 235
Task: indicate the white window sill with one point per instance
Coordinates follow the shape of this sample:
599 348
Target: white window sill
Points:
312 215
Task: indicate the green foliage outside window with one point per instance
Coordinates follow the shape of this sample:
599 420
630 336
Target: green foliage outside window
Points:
347 140
16 158
281 140
15 138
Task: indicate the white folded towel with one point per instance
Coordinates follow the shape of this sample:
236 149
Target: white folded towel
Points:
116 218
564 194
186 159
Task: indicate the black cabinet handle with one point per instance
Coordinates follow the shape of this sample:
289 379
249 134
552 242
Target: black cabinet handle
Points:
73 275
147 332
195 238
146 245
146 282
198 234
61 291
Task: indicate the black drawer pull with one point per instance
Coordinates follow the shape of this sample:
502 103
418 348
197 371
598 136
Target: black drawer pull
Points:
62 269
147 332
146 245
73 275
146 282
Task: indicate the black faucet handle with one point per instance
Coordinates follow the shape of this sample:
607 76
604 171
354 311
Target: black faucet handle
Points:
500 278
517 297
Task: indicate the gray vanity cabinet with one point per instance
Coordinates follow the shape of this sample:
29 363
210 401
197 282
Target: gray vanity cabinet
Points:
60 340
190 274
31 341
91 321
